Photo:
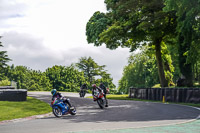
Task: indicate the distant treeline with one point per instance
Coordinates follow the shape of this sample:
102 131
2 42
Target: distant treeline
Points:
63 78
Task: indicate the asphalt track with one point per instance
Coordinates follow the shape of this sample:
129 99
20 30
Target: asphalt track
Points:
119 115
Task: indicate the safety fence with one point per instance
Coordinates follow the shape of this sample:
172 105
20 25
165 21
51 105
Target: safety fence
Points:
7 87
13 94
186 95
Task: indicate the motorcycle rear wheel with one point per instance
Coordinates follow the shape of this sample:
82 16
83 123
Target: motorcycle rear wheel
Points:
73 110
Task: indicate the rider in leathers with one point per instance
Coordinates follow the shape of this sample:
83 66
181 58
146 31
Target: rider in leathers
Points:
58 95
83 88
95 88
102 86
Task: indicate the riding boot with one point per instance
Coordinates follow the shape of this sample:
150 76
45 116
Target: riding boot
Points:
106 103
106 100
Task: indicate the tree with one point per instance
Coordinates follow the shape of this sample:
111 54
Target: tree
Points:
27 78
188 39
90 68
94 73
141 71
21 75
65 78
106 80
132 23
3 60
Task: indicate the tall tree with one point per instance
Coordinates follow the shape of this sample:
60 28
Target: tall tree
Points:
90 68
141 71
131 23
3 60
188 40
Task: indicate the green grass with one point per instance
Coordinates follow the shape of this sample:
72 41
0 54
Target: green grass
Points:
125 97
156 86
196 84
12 110
118 97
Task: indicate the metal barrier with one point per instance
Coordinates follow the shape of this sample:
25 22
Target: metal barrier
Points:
7 87
13 94
188 95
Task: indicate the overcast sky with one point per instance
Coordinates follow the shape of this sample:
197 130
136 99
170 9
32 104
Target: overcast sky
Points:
42 33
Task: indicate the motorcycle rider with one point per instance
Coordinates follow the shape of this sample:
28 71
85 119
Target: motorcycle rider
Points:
102 86
58 95
83 88
95 88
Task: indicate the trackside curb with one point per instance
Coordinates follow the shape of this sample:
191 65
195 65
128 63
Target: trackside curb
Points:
26 118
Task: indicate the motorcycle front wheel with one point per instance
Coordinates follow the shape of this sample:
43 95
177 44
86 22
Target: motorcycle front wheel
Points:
57 112
81 94
100 103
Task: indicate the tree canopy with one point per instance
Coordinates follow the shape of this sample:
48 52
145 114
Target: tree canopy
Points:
188 35
91 70
132 23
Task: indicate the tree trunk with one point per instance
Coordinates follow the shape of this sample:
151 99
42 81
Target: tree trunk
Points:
184 43
161 72
197 74
185 68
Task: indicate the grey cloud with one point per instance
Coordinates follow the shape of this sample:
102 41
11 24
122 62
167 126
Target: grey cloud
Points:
22 40
24 49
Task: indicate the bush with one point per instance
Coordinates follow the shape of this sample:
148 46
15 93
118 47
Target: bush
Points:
156 86
5 83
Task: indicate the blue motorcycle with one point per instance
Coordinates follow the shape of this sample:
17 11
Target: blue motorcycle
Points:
59 108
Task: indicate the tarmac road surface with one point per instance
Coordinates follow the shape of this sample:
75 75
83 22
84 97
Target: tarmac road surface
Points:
121 114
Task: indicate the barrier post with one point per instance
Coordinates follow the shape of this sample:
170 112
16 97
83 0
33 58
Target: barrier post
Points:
163 99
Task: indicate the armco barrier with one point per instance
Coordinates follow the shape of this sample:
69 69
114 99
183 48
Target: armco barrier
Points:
13 94
189 95
7 87
158 97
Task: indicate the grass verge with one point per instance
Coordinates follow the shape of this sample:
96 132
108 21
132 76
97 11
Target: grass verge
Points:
12 110
125 97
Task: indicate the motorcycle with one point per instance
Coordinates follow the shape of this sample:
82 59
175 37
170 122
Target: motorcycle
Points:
82 93
59 108
99 97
